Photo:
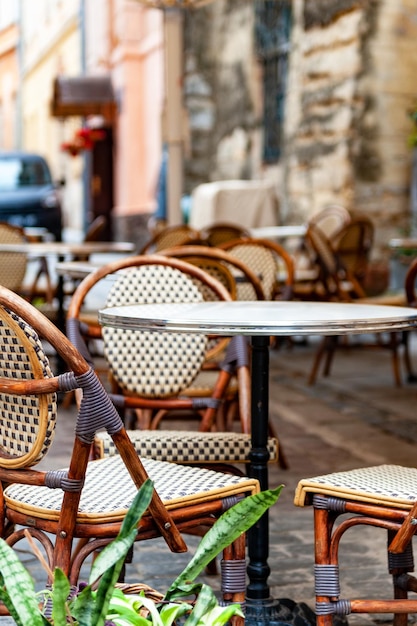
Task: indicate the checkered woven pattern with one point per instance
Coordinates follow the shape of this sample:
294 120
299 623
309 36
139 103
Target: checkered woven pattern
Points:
109 490
27 423
392 485
262 262
187 447
12 264
153 364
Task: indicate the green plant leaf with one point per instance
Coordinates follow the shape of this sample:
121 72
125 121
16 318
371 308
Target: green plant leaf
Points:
60 592
220 615
171 612
226 529
206 601
82 606
118 548
18 589
109 563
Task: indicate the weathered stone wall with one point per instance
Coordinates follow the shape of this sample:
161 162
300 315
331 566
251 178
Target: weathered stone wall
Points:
351 85
222 93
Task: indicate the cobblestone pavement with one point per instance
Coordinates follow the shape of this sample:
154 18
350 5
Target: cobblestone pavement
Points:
353 418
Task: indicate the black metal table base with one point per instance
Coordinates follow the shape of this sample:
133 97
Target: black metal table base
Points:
283 612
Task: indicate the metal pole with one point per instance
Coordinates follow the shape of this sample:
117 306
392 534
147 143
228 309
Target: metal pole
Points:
173 24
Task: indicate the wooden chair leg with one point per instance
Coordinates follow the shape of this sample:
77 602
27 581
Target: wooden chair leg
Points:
405 340
331 348
395 360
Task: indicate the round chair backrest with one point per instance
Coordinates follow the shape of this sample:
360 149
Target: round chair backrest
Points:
27 423
354 244
331 220
410 284
220 232
153 364
12 264
171 236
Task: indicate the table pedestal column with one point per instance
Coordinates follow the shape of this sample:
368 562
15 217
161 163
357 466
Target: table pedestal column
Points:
260 607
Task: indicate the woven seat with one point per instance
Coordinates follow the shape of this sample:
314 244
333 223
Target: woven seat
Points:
88 499
187 447
383 497
176 485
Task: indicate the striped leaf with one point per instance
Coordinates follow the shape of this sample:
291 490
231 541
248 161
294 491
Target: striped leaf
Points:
226 529
18 586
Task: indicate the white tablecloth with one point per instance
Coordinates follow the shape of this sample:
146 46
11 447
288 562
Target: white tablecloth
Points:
250 204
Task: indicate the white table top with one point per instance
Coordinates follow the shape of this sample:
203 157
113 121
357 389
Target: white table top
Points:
403 242
262 318
44 248
279 232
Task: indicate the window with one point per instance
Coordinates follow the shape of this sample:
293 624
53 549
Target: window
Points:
273 28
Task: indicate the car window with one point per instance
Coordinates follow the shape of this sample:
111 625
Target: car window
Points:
16 173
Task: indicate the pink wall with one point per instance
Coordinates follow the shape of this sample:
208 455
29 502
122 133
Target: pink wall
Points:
137 70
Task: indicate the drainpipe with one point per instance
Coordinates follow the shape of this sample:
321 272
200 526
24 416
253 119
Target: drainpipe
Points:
18 140
87 156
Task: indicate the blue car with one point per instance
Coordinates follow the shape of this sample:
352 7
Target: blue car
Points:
28 195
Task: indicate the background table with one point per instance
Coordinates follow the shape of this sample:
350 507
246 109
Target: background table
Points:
260 320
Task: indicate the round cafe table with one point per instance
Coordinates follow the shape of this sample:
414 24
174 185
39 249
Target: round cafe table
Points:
260 320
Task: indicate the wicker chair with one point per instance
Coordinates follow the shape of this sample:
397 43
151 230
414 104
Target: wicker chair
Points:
239 403
220 232
342 272
171 236
247 283
410 300
160 373
331 220
12 264
57 507
382 497
269 261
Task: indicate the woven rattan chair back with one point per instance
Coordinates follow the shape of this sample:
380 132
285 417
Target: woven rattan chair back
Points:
171 236
330 270
353 246
12 264
153 364
247 284
220 232
269 261
27 422
331 220
410 284
89 500
159 375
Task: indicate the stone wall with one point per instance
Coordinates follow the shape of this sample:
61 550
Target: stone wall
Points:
351 85
222 94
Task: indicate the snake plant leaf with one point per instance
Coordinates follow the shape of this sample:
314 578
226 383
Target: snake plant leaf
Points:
82 607
171 612
206 600
235 521
18 589
109 563
118 548
60 592
5 598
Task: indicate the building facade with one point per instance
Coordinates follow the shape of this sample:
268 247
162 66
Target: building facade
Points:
344 73
313 96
